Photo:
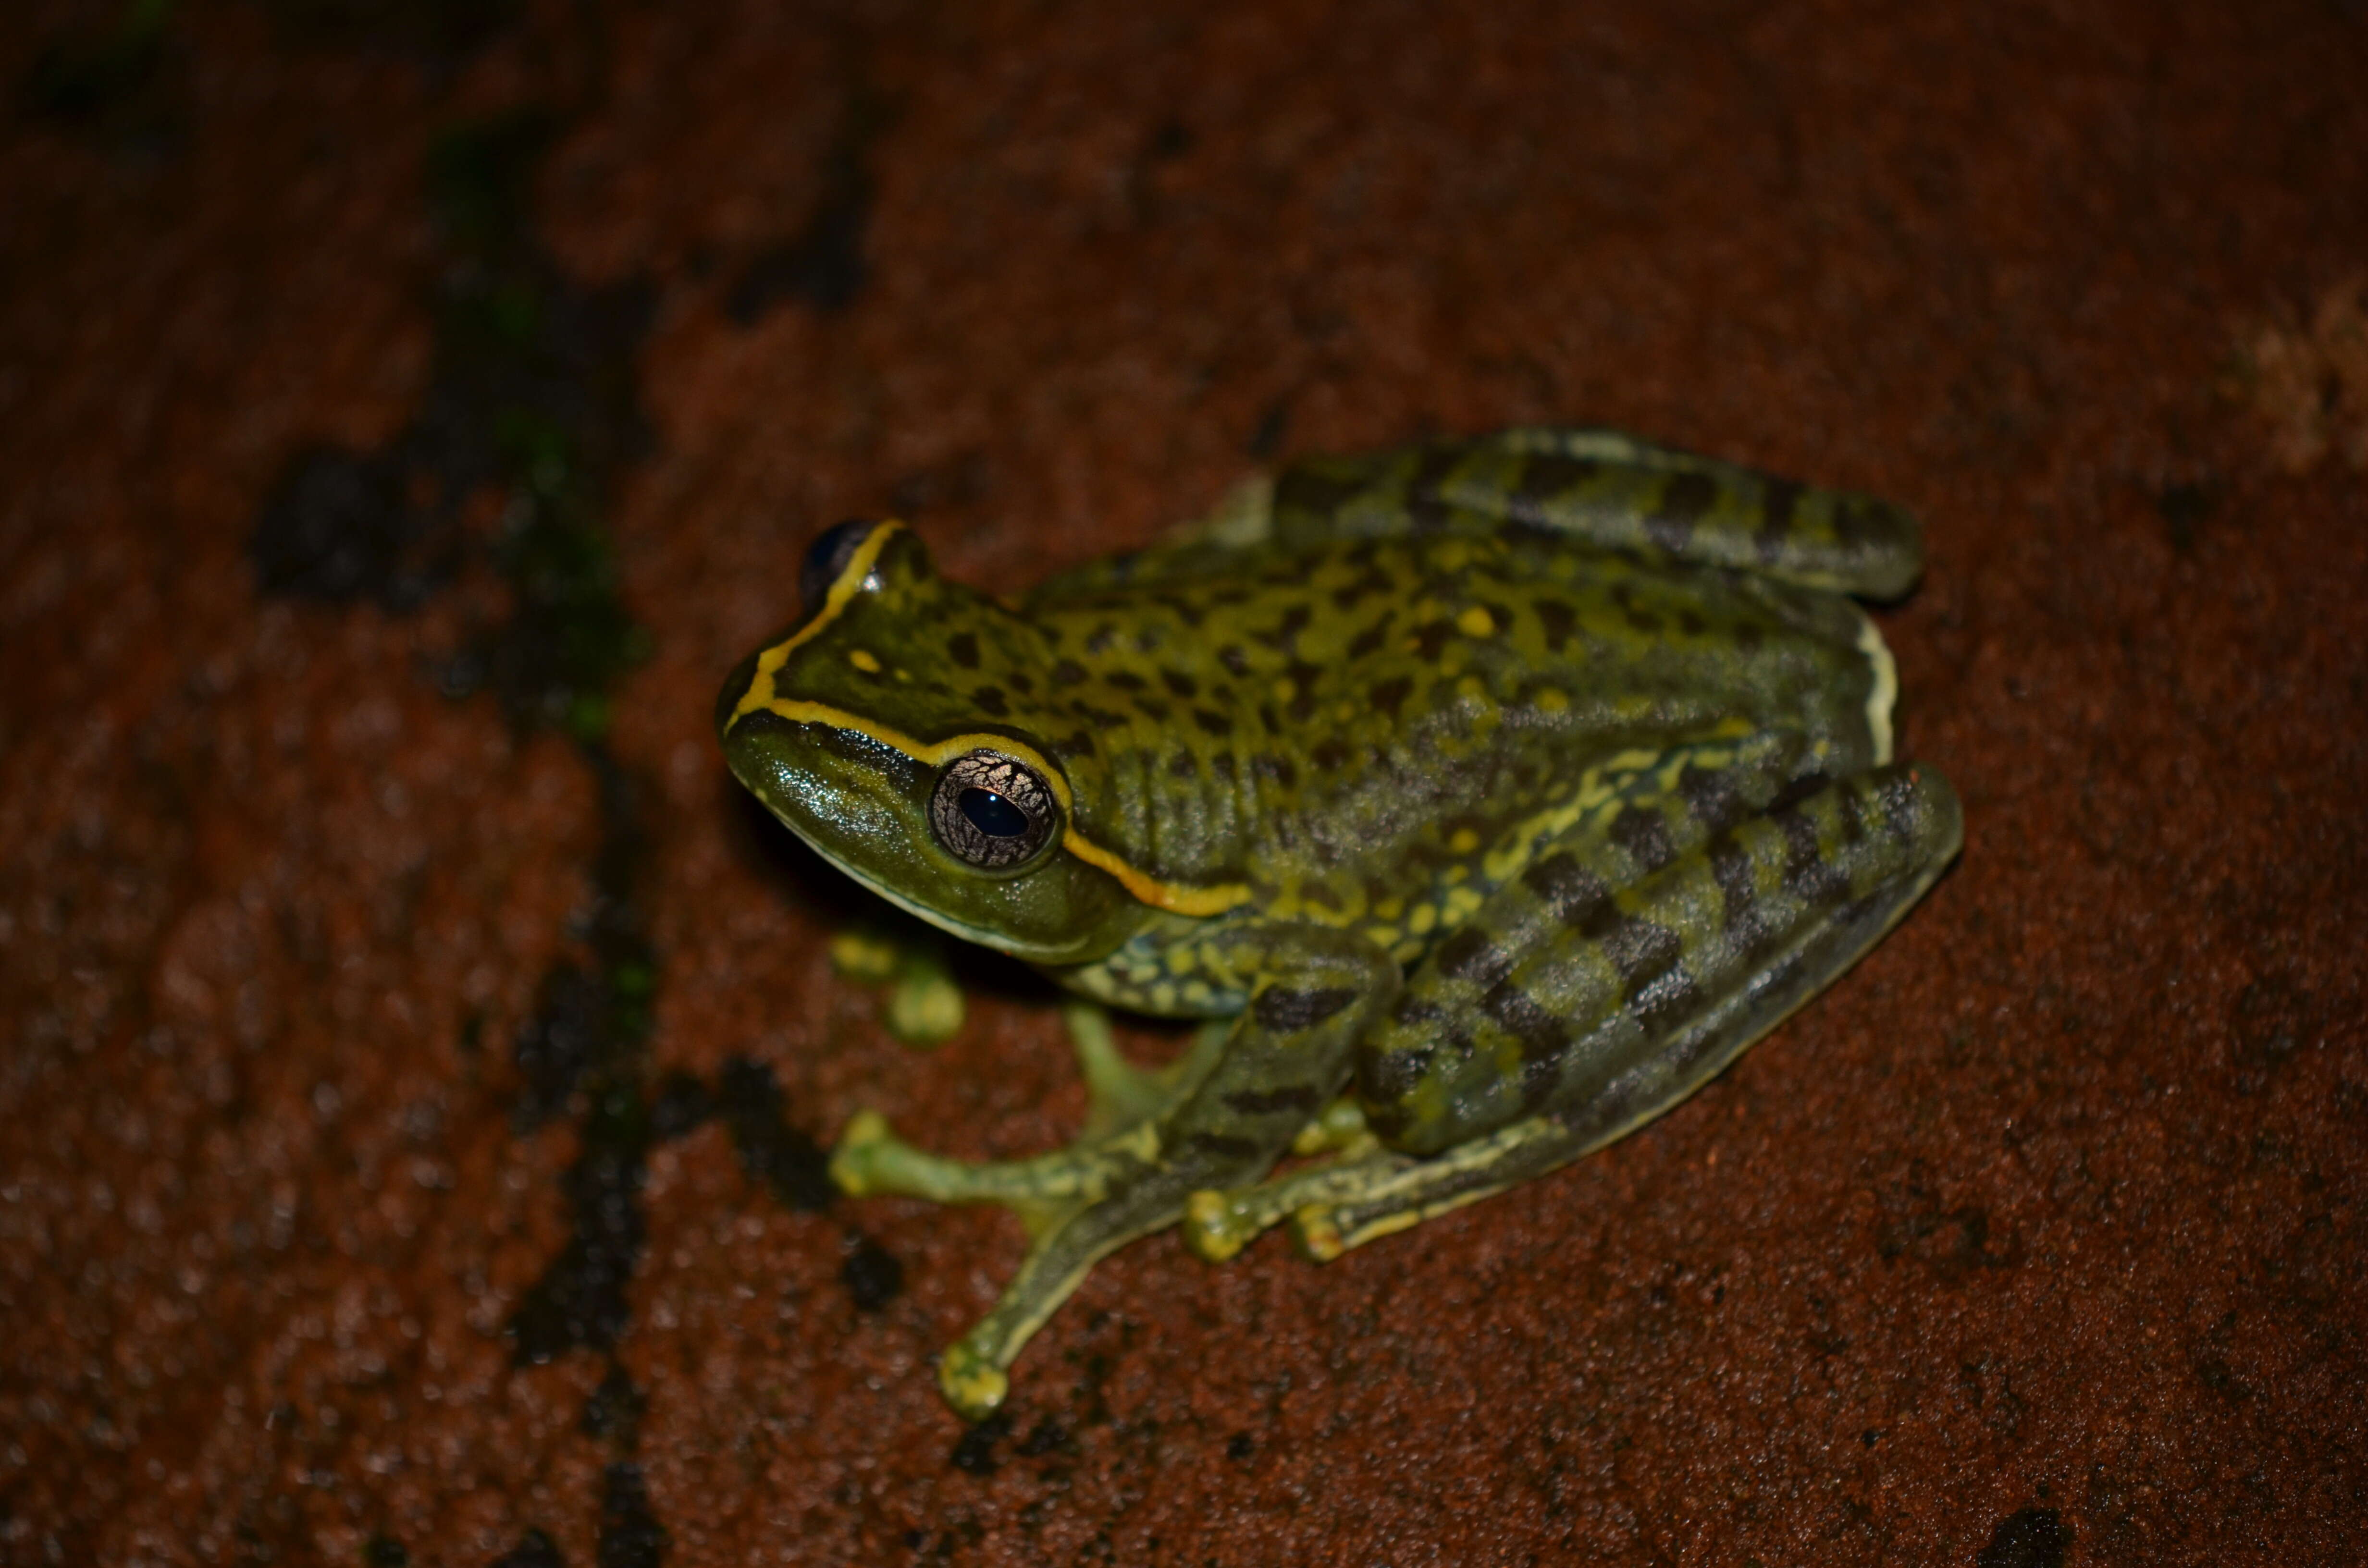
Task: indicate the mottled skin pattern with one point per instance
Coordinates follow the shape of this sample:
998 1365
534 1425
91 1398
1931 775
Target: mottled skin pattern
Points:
1508 788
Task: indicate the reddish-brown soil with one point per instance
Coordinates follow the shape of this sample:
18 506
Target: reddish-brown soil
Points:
2038 1239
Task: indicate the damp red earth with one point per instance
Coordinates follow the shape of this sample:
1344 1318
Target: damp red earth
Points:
2037 1240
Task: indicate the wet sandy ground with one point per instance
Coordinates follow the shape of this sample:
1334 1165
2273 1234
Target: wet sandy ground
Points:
2037 1240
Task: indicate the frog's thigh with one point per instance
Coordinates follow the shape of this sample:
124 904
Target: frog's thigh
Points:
1501 1062
1601 486
1315 991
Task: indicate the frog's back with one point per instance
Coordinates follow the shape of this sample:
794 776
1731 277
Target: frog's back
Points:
1335 724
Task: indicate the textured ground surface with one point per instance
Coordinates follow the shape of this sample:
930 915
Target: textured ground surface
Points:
2039 1239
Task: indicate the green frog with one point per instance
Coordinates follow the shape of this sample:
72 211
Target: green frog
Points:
1491 796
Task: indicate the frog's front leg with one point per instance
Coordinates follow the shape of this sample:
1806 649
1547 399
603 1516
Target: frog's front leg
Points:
1122 1101
1312 991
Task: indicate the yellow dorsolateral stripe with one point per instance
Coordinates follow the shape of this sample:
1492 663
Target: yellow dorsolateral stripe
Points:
761 696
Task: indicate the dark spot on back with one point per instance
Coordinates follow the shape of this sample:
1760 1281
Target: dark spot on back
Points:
1372 580
1684 500
1069 672
1185 610
1329 754
1544 478
1389 696
990 699
1643 620
1776 508
1275 769
1180 683
1372 637
1216 724
1294 621
1304 677
1234 659
1558 620
963 648
1304 488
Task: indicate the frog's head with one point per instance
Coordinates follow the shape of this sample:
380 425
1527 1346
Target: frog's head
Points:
890 728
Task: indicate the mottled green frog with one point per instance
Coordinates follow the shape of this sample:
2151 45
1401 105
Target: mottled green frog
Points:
1497 793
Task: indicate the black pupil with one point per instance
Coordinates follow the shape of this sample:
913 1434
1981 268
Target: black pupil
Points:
991 814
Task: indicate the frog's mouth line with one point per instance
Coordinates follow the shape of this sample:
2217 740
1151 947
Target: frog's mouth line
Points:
943 921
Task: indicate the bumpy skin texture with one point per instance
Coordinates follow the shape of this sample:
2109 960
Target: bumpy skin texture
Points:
1516 785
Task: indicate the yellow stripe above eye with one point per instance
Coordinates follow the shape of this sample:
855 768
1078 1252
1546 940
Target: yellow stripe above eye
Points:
843 588
761 696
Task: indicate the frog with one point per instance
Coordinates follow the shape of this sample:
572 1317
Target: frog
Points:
1485 797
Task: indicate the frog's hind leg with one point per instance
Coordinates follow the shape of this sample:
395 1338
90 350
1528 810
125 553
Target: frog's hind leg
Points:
1572 1009
1601 486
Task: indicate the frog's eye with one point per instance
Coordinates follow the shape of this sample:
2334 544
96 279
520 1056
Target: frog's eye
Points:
827 556
992 810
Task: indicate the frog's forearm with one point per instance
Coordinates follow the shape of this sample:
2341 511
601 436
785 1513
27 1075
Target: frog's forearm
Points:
1287 1056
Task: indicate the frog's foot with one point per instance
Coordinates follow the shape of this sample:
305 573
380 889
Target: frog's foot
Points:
1386 1193
973 1372
1218 1224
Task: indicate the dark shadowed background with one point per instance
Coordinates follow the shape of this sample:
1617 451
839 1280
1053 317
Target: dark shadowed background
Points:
417 1052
